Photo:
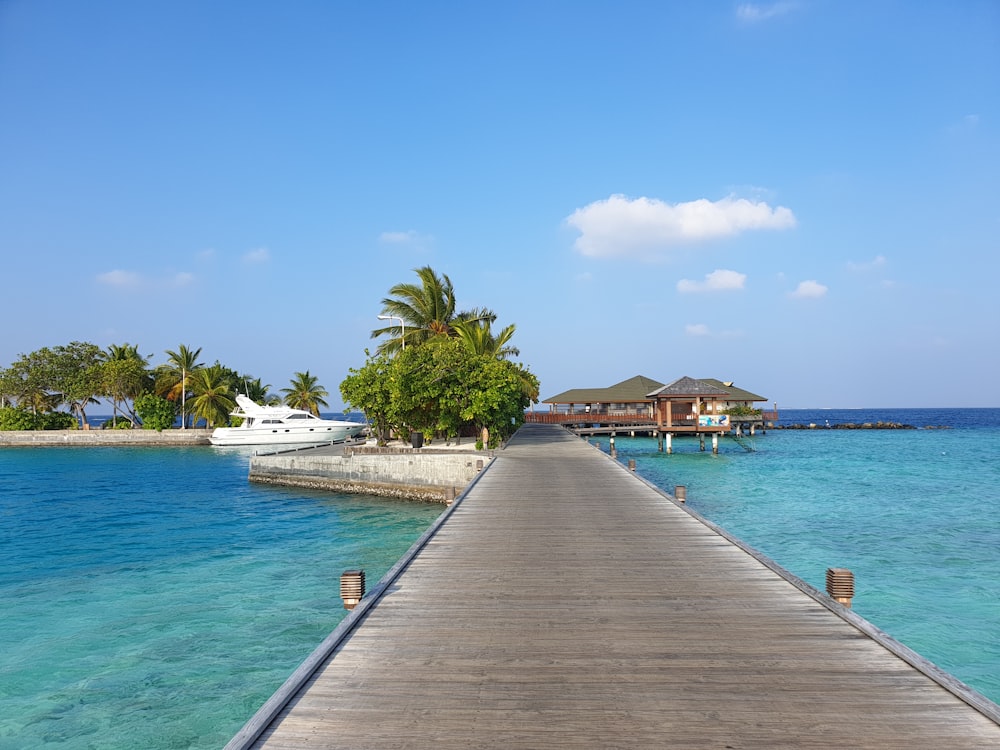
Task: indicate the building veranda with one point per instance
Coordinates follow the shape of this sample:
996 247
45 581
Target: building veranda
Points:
685 406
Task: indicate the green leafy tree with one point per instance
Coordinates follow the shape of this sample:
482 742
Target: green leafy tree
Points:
29 381
421 381
15 418
6 388
125 375
497 397
369 390
440 388
212 396
156 412
78 376
44 379
55 420
746 412
305 393
479 340
124 380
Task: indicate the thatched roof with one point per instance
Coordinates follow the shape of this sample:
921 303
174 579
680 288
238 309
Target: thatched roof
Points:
735 394
686 386
640 389
627 391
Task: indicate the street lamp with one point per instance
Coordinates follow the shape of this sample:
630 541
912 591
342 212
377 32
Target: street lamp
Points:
402 326
183 396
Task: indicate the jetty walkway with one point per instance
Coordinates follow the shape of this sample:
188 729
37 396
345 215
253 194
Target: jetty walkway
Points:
563 602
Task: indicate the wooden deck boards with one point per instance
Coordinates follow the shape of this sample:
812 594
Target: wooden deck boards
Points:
567 604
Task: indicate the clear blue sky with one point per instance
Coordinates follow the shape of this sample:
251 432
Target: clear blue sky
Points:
801 197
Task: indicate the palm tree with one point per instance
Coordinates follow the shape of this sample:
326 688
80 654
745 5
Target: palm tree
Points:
426 310
173 383
126 351
478 338
212 398
305 393
126 376
256 391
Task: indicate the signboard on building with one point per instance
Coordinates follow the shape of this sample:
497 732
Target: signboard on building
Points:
713 420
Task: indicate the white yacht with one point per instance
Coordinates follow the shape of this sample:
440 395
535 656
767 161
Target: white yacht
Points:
268 425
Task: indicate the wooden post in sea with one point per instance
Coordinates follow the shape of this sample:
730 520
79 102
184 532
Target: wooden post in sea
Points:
715 443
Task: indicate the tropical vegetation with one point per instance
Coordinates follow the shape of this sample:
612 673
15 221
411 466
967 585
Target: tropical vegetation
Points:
52 388
440 372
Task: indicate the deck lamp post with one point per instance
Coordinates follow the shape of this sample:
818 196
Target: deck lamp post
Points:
352 588
402 326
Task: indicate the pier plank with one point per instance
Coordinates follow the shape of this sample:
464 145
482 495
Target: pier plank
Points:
566 603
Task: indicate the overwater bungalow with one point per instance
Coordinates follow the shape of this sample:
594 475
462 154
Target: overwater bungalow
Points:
641 404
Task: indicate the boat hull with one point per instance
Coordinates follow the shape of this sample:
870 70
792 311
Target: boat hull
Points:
285 435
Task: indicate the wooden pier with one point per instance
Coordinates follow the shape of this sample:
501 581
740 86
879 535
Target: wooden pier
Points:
563 602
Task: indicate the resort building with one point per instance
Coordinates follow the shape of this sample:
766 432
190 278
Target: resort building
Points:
686 405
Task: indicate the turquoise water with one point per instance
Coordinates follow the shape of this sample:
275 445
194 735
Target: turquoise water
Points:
915 514
155 598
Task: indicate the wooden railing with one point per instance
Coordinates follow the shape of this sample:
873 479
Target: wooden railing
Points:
548 417
594 417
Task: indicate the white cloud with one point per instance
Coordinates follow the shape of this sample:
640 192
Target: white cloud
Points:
260 255
646 227
966 126
700 330
809 290
877 262
411 238
120 278
717 281
755 12
398 238
131 280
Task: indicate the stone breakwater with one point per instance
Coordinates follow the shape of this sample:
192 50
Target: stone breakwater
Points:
428 474
411 474
857 426
37 438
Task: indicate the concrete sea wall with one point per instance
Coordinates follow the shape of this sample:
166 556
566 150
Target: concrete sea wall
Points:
35 438
422 474
436 475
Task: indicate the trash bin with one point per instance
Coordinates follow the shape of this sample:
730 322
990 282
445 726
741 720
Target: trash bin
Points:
417 439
